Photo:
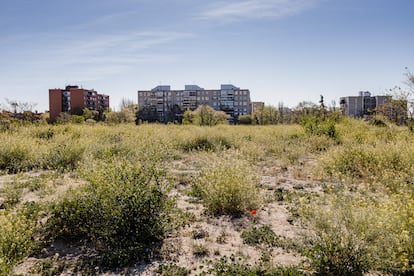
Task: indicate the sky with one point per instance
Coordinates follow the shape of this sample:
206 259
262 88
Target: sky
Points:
283 51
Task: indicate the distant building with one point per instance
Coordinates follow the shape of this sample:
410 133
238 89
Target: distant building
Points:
255 106
362 105
165 105
65 100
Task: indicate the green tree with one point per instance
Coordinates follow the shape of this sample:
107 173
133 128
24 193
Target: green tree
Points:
188 117
245 119
126 115
206 116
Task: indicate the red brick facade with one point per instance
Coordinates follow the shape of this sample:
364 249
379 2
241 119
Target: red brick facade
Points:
65 100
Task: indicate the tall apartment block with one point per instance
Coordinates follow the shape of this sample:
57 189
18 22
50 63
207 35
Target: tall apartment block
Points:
65 100
364 104
165 105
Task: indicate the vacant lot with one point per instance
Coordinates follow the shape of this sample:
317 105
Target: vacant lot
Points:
225 200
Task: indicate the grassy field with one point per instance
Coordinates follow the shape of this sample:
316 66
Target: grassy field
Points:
333 199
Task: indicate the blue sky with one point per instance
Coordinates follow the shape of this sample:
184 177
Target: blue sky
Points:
282 50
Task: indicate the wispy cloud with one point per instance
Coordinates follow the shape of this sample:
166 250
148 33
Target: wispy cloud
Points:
124 48
255 9
94 55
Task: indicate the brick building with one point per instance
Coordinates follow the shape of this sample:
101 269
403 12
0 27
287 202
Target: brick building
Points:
66 100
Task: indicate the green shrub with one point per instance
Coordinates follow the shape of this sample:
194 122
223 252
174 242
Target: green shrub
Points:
227 188
259 235
123 211
16 238
319 126
45 134
172 269
227 266
207 143
351 235
15 157
378 121
64 156
200 250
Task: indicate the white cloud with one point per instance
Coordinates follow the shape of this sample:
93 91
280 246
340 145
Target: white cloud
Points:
256 9
97 54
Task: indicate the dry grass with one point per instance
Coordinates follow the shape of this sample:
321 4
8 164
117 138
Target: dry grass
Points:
309 191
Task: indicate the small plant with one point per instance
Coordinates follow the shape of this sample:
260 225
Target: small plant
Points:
172 269
298 187
281 194
199 234
207 143
378 121
47 267
45 134
200 250
222 237
227 188
64 156
259 235
232 266
12 196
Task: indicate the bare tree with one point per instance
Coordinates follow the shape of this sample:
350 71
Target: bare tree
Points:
126 104
20 107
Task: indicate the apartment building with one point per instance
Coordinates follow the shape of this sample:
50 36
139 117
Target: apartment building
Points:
362 105
165 105
65 100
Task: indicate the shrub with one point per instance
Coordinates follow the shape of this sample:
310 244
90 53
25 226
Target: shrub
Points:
378 121
340 244
123 211
16 239
318 126
232 266
200 250
15 157
207 143
351 234
259 235
227 188
45 134
172 269
64 156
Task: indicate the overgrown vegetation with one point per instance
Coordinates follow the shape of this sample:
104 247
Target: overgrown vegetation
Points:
227 187
123 210
348 185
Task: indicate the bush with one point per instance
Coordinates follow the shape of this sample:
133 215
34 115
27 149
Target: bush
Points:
227 188
351 234
259 235
16 239
45 134
123 211
64 156
15 158
342 239
378 121
207 143
232 266
172 269
318 126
